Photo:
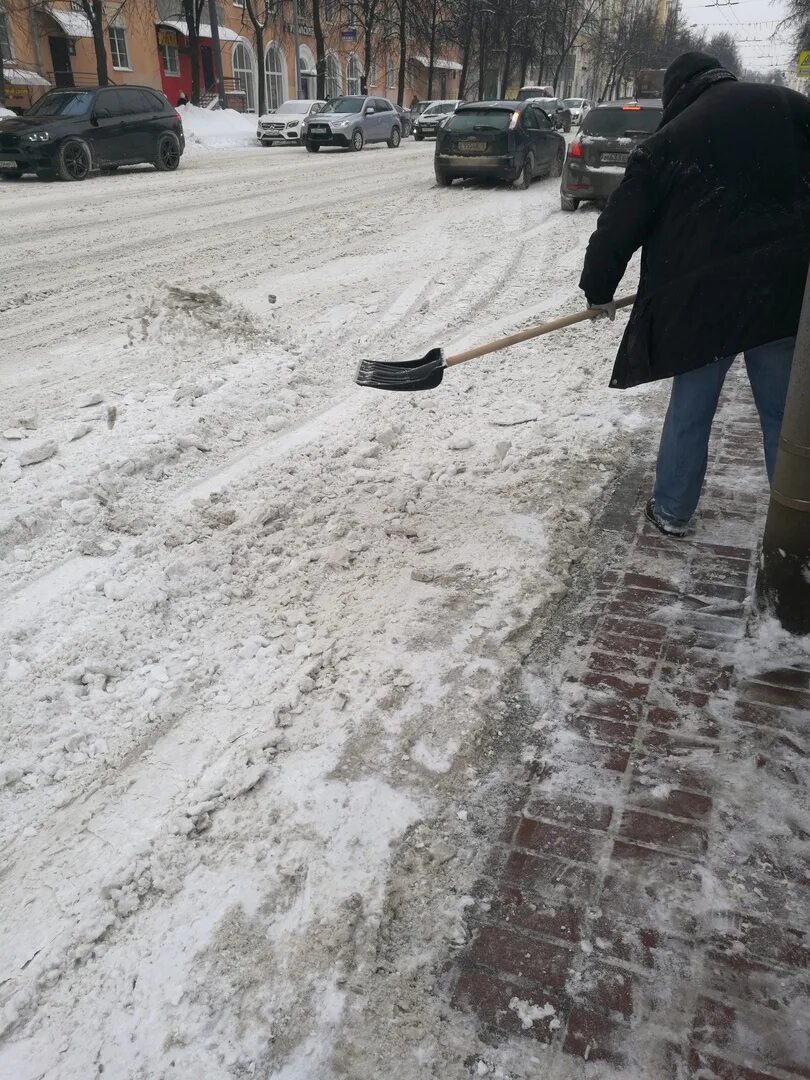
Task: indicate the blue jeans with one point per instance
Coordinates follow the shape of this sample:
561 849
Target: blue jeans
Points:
684 449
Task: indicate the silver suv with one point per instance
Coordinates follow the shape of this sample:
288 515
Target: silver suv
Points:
352 122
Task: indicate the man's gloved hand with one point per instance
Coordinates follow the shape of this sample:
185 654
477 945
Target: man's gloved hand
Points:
609 309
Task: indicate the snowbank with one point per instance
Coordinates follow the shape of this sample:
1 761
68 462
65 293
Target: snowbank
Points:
217 129
6 112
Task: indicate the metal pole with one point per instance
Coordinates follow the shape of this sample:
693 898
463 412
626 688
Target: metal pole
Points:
214 24
783 583
297 51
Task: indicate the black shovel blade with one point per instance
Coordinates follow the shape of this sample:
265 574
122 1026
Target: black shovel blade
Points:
423 374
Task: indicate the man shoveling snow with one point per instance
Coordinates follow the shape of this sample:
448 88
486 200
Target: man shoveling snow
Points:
718 199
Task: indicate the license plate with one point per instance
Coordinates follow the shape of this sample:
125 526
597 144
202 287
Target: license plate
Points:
320 128
615 159
8 164
472 147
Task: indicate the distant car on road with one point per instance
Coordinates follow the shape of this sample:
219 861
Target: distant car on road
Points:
527 93
286 123
428 122
578 107
72 132
597 157
352 122
556 110
504 140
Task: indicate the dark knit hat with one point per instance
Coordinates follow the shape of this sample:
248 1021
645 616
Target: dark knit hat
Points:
683 70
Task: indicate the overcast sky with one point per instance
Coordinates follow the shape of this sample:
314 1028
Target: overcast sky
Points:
751 22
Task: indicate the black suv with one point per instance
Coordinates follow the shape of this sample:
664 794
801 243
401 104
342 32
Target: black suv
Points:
71 132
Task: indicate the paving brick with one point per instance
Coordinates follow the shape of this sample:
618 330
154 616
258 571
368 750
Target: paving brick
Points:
510 952
492 1000
568 843
638 604
705 1066
603 729
683 804
595 1038
784 697
793 678
771 1039
630 689
635 628
562 920
781 945
751 712
663 832
638 667
612 707
546 875
587 815
642 946
647 581
635 648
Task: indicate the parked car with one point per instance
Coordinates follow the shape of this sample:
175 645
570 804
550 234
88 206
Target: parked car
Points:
352 122
556 110
578 107
526 93
505 140
286 123
405 119
428 123
419 108
597 157
71 132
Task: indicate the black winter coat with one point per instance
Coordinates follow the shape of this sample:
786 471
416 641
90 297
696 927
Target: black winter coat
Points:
719 200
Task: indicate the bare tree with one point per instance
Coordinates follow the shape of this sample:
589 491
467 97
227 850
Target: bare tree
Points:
369 16
191 11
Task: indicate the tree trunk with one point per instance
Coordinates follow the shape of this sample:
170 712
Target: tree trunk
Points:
481 54
367 53
403 50
194 56
97 26
507 64
259 36
524 65
465 57
433 17
320 51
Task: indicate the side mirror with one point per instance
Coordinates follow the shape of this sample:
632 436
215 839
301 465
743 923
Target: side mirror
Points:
370 112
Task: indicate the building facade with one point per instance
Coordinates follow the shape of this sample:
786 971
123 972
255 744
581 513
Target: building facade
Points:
51 44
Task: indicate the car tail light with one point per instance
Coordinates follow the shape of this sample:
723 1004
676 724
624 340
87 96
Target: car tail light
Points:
631 108
575 149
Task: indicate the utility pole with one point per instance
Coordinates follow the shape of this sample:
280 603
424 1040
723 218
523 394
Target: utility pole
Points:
213 19
783 583
297 51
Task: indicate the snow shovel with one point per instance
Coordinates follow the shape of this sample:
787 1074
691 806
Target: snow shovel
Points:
426 373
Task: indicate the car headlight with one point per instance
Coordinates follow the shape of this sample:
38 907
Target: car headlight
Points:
292 123
38 136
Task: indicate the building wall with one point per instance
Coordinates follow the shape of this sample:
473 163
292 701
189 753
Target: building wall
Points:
140 19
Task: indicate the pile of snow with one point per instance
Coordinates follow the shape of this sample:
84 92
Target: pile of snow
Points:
5 113
218 128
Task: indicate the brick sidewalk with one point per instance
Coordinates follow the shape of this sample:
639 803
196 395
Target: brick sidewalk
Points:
647 909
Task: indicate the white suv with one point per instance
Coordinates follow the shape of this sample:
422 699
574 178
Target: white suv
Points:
428 122
286 123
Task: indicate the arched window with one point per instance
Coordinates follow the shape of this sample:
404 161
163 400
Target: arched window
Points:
309 75
353 74
334 82
243 74
274 72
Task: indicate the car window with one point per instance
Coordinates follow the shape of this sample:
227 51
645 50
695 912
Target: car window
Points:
346 105
623 120
135 101
543 121
529 118
469 120
111 101
383 104
154 101
62 104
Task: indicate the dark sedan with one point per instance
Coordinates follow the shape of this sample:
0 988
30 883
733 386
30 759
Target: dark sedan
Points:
71 132
596 159
556 110
504 140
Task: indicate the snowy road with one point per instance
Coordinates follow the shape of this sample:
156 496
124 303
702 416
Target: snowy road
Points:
255 622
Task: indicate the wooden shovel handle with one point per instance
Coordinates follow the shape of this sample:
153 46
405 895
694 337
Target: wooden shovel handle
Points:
532 332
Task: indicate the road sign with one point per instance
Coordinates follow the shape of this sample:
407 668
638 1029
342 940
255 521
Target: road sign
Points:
803 64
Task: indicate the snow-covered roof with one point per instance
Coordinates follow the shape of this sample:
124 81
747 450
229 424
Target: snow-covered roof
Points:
21 77
74 23
205 30
438 62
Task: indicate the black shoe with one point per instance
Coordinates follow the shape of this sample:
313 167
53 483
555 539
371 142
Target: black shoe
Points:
668 528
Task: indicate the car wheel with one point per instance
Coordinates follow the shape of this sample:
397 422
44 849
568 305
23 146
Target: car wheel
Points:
313 148
73 161
557 165
418 136
357 140
524 177
395 139
442 179
168 152
568 204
